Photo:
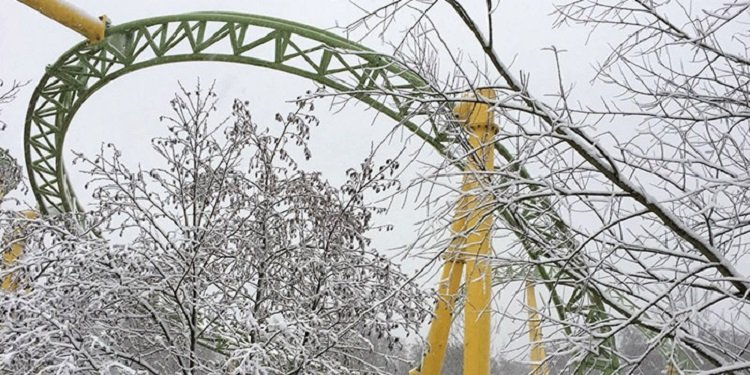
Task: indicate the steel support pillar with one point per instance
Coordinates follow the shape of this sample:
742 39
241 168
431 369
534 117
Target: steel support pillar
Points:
15 251
538 366
481 128
468 251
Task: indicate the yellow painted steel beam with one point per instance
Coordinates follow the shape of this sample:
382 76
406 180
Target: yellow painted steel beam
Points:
480 123
470 246
16 250
450 281
538 366
671 370
92 28
437 337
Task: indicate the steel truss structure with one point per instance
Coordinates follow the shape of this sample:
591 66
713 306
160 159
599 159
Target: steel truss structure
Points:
326 58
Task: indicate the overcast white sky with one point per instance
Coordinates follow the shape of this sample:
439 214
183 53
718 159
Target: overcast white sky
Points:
126 112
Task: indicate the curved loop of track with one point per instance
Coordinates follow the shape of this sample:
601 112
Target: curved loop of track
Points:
305 51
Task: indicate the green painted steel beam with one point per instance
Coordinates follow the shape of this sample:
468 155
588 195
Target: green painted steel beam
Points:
326 58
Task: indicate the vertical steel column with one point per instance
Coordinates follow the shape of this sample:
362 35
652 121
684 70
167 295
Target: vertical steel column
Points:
15 251
450 281
480 124
471 243
437 338
671 370
538 367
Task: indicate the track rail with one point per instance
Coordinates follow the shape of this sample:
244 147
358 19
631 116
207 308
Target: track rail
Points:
326 58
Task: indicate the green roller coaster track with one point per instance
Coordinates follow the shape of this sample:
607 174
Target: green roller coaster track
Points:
235 38
333 61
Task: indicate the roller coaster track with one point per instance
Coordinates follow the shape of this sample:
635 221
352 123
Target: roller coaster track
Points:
286 46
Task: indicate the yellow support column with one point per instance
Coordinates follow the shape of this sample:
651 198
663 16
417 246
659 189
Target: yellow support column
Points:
15 251
538 366
450 281
437 338
479 122
67 14
671 370
470 228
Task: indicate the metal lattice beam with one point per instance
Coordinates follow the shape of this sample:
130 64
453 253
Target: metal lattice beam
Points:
290 47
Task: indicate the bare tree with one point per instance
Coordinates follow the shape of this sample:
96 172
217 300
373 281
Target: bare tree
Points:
231 260
10 172
7 95
643 229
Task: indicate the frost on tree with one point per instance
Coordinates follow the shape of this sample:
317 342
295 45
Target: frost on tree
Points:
231 260
626 190
10 172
